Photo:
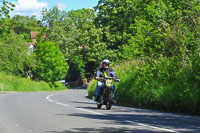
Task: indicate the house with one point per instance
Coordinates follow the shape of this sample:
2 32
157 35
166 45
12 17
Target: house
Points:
33 37
31 45
81 47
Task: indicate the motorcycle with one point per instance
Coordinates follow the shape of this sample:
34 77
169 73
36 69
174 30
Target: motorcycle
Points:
106 94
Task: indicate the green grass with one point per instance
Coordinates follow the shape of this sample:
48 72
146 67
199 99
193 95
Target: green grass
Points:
91 88
15 83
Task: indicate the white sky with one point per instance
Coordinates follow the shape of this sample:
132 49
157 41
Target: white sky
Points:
34 7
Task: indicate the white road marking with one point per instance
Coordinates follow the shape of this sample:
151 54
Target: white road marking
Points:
158 128
90 111
62 104
48 98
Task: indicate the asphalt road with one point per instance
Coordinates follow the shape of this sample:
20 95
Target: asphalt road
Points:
71 111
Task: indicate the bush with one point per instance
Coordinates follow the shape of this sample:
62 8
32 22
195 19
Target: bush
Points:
51 64
92 88
57 85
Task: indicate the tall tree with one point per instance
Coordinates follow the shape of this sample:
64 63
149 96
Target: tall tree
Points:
115 17
164 28
70 32
82 18
52 16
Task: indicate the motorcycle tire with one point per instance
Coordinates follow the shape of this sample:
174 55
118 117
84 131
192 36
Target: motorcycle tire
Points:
109 100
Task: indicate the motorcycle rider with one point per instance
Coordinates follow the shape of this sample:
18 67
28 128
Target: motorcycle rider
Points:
104 71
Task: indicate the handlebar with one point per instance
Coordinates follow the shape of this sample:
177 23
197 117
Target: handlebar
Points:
104 78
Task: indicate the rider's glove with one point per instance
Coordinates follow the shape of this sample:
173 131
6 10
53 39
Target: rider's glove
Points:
97 78
117 80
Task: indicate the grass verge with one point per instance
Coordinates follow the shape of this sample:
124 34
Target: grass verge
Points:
15 83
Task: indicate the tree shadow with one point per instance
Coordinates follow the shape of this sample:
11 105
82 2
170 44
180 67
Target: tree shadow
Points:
81 102
120 116
102 130
188 124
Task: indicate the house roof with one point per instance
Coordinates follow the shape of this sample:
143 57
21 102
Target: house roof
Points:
85 47
30 43
33 35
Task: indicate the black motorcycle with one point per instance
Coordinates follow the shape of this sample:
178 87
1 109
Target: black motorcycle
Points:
106 94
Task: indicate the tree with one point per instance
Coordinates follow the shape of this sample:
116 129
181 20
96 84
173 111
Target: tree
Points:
114 17
14 56
163 28
97 51
82 18
69 31
51 64
52 16
24 25
6 7
6 26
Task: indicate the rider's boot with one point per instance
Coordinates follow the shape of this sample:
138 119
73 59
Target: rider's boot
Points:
114 101
96 99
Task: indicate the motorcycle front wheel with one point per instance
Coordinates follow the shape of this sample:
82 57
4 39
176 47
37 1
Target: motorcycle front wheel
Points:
109 100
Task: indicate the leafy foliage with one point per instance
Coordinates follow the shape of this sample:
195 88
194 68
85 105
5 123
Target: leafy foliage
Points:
76 36
6 27
5 8
24 25
115 17
163 28
15 57
51 64
163 38
52 16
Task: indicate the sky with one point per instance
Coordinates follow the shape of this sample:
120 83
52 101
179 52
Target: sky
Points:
34 7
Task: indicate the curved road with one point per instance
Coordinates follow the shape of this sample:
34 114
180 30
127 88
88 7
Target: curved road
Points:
71 111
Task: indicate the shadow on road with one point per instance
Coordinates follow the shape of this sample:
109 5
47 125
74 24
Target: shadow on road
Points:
120 115
184 123
103 130
81 102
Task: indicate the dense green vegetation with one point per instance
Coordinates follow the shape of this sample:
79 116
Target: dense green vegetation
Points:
51 62
160 38
14 55
161 84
